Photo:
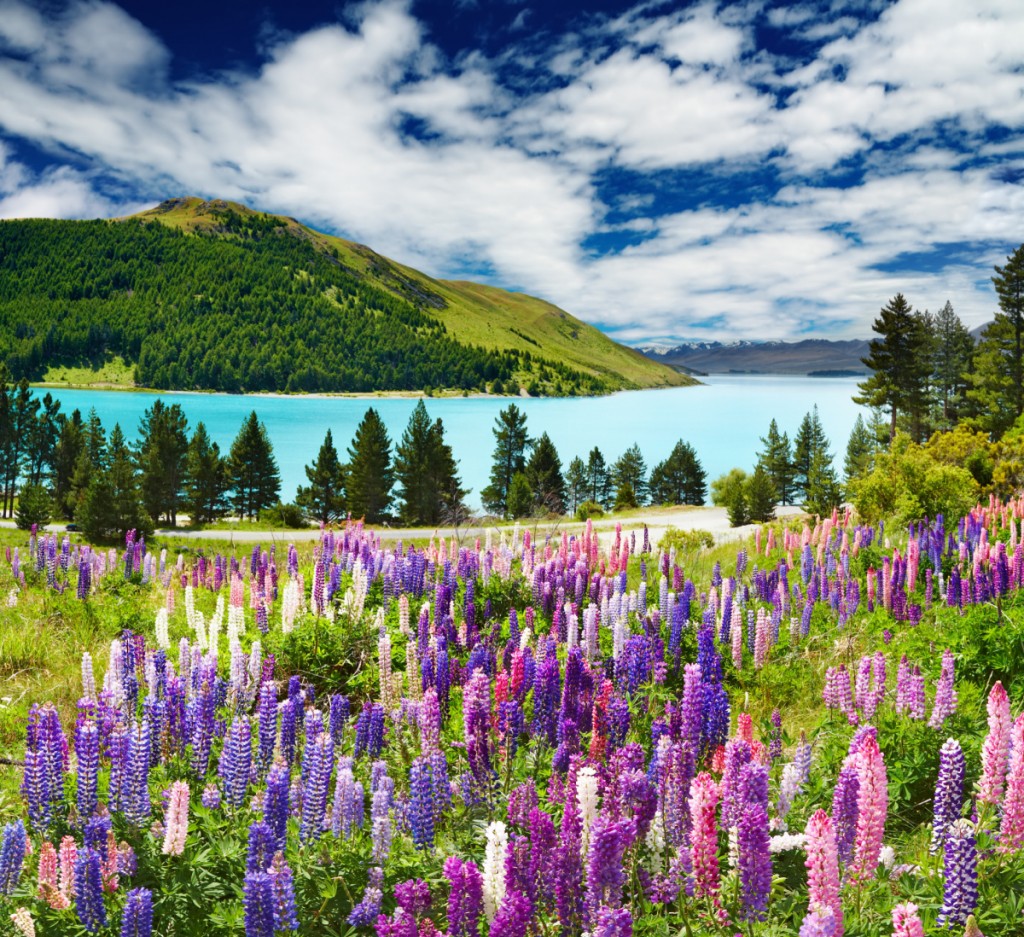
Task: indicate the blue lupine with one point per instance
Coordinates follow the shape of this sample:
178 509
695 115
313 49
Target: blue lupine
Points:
258 898
89 890
236 762
275 802
320 752
421 803
87 748
137 920
267 727
283 888
13 845
949 791
135 803
262 846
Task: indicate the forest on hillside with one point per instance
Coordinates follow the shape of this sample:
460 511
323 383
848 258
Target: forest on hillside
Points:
248 306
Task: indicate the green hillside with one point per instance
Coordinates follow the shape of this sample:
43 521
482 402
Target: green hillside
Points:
214 296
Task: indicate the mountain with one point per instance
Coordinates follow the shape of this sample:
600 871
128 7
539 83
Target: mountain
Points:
211 295
815 356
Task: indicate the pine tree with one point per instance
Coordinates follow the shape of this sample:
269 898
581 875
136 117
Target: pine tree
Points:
954 354
998 377
810 439
520 496
370 474
576 483
255 480
70 445
43 440
34 507
823 489
207 479
760 496
544 473
162 456
679 479
777 459
512 442
900 361
860 450
599 483
427 473
111 504
630 470
324 498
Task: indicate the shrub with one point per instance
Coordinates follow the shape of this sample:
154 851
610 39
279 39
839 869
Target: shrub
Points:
34 507
686 541
587 510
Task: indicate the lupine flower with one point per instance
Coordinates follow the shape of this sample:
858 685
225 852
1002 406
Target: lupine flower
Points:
466 898
494 868
211 797
262 847
819 922
945 693
844 809
971 928
275 802
283 889
421 803
258 898
960 893
176 820
614 922
823 869
89 891
609 840
366 912
948 791
1011 831
513 917
704 793
87 748
13 845
320 755
48 890
872 805
995 753
23 921
754 854
137 920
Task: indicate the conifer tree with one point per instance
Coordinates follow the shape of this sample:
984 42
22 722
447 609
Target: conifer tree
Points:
998 377
34 507
576 484
255 480
954 354
70 444
760 496
598 478
370 473
544 473
111 504
630 471
162 456
207 479
512 442
777 459
679 479
323 499
426 472
823 489
810 439
520 496
860 450
43 440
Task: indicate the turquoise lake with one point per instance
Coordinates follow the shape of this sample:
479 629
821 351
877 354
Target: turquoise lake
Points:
722 420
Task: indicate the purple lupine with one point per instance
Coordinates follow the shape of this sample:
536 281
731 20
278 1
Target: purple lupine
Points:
283 888
466 898
236 762
949 791
289 716
844 809
347 809
775 744
609 840
201 708
135 803
945 693
275 802
366 912
421 803
614 922
755 863
258 898
691 705
87 748
513 917
262 846
340 709
737 755
13 846
476 699
137 919
267 727
89 890
960 892
320 752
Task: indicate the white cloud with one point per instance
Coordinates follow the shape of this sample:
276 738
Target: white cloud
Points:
493 179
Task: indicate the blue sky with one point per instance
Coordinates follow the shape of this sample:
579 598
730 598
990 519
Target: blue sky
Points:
665 171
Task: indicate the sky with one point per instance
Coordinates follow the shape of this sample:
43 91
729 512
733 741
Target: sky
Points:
665 171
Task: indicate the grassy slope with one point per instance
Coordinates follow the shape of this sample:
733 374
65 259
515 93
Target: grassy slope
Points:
472 313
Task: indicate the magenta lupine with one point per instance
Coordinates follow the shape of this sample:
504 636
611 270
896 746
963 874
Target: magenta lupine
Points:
906 922
466 898
995 753
949 791
872 805
1011 830
704 794
945 693
960 892
823 868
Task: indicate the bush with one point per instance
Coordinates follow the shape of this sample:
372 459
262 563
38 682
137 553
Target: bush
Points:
587 510
284 515
686 541
724 488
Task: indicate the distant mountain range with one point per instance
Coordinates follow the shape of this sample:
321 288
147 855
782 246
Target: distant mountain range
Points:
813 356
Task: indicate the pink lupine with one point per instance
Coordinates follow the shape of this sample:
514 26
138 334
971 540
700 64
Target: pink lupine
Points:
736 636
704 793
905 922
823 867
49 890
872 804
945 694
995 753
1011 832
68 855
176 820
761 639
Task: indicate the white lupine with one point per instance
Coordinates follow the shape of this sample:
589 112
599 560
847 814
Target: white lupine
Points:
190 607
255 662
494 868
88 677
590 631
289 605
403 614
199 626
655 840
572 627
384 670
162 639
524 639
236 623
785 842
587 801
